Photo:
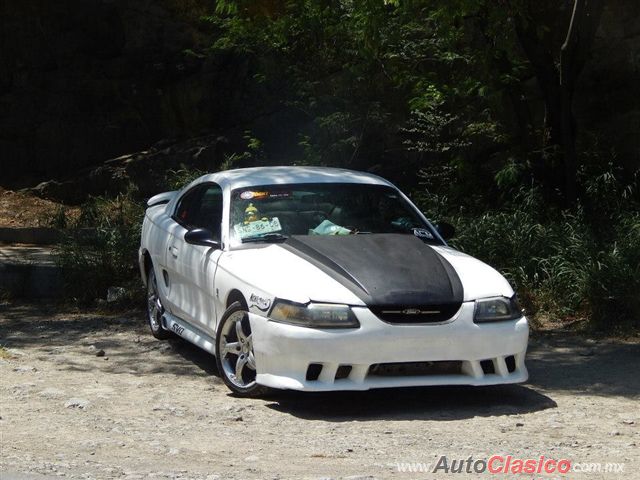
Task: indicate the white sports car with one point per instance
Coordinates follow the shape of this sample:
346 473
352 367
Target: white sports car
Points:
323 279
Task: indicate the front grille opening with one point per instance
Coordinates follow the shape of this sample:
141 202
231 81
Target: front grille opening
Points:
412 314
416 369
343 371
313 371
511 363
488 367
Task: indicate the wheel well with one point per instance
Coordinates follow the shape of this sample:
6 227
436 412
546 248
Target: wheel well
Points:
148 264
236 296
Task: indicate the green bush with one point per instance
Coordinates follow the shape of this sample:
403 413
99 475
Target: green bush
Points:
99 249
177 179
562 264
613 284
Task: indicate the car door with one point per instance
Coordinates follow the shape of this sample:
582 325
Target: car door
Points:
191 268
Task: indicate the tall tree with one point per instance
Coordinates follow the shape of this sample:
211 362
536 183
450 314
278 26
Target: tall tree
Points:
573 56
558 83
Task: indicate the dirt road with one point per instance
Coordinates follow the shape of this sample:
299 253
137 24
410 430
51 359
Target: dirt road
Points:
95 396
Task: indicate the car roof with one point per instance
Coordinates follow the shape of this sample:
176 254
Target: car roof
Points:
248 177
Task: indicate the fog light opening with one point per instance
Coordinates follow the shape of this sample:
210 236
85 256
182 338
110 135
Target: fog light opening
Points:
313 371
343 371
511 363
487 367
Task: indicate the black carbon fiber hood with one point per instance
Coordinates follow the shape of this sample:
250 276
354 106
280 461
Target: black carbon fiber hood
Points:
384 270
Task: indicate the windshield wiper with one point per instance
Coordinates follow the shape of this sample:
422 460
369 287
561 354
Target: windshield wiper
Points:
266 237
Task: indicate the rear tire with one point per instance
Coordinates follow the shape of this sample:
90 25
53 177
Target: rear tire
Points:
155 310
234 353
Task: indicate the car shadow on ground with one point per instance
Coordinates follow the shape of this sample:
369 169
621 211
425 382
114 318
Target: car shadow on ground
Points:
72 339
417 403
190 353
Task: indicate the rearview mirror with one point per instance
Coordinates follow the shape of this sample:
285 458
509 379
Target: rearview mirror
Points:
446 230
202 237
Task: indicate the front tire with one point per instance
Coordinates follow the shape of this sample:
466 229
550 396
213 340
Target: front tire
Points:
234 353
155 310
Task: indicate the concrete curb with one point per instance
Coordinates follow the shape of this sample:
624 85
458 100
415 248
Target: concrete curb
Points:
29 271
32 235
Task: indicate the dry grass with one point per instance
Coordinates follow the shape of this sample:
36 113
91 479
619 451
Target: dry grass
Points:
5 354
19 209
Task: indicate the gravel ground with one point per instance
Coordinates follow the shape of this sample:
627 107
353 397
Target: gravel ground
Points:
90 395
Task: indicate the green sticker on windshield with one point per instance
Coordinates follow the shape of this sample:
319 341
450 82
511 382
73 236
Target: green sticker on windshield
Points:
259 227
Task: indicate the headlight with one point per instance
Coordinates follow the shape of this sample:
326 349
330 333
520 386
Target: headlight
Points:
497 309
315 315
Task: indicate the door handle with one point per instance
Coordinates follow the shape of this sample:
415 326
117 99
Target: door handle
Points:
174 251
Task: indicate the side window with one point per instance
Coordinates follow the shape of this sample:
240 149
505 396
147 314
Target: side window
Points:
210 213
188 207
201 208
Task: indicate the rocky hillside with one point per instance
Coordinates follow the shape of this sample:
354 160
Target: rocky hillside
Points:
145 170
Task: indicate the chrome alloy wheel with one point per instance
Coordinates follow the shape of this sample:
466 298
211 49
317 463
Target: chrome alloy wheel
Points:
236 350
155 309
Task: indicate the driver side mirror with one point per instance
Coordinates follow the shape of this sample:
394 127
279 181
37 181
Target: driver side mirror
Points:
446 230
202 237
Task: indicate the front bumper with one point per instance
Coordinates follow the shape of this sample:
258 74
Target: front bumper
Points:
481 354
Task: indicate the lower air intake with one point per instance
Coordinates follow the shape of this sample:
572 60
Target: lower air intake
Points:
418 369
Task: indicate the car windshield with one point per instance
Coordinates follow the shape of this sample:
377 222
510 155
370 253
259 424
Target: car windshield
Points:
272 213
